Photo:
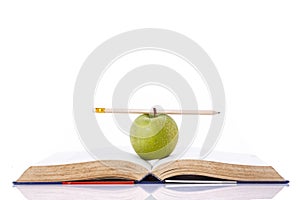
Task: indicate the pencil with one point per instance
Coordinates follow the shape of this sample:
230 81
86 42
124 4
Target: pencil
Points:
155 111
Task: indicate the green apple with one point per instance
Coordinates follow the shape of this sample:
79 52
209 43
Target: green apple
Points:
153 136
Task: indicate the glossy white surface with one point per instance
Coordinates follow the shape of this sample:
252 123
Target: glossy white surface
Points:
152 191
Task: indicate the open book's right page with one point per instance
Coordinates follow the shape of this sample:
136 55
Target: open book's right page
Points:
224 157
234 158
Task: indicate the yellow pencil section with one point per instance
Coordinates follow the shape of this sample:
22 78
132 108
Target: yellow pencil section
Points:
100 110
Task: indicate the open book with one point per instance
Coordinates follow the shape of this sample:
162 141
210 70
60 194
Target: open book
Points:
216 168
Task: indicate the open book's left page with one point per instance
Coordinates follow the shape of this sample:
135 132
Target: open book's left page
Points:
70 157
72 166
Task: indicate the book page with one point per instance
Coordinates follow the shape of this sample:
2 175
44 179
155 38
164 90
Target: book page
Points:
193 153
217 156
83 156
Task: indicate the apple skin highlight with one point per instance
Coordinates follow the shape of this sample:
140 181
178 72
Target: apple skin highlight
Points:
153 136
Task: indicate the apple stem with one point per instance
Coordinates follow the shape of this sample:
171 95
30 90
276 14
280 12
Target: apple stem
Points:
154 112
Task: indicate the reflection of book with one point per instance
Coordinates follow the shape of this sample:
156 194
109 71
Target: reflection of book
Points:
151 191
252 191
58 192
214 168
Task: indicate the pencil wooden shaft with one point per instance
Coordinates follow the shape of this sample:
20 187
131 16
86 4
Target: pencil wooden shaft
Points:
142 111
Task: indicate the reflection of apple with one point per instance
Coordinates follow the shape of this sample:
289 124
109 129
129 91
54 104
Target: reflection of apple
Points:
153 136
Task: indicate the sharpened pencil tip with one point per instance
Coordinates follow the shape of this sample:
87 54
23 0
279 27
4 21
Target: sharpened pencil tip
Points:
219 112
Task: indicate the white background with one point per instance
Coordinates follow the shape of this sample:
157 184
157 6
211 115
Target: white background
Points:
254 44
